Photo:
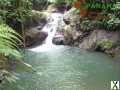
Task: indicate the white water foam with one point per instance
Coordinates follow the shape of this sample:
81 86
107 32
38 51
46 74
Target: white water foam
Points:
51 27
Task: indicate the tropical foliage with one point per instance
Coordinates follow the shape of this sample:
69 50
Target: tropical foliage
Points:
86 25
9 41
105 19
13 15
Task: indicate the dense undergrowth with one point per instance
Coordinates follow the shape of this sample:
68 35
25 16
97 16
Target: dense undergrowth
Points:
13 15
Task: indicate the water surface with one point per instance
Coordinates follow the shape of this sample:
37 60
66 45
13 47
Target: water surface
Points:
68 68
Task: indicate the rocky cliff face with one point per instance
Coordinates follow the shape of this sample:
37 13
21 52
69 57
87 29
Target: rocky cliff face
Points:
68 32
71 34
95 36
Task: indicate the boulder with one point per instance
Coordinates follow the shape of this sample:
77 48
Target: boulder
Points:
116 52
35 37
58 39
90 42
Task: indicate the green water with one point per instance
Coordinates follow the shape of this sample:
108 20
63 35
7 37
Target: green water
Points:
66 68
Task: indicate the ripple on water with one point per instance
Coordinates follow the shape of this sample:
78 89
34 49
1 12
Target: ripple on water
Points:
68 69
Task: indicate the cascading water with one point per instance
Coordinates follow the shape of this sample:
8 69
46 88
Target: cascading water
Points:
54 20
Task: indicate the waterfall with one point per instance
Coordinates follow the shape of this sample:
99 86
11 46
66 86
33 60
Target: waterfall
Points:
51 27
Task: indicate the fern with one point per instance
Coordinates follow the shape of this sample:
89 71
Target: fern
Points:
9 41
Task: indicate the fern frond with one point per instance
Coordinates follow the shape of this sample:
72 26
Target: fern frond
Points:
8 33
9 40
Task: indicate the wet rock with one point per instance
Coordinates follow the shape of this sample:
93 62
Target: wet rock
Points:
35 37
72 31
77 34
58 39
69 29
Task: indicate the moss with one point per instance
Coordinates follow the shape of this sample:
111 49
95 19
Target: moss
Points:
105 44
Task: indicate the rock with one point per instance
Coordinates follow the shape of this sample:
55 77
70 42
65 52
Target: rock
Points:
76 35
66 21
35 37
58 39
71 34
71 18
98 35
69 30
37 19
116 52
51 8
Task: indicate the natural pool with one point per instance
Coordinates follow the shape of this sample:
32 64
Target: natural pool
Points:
68 68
